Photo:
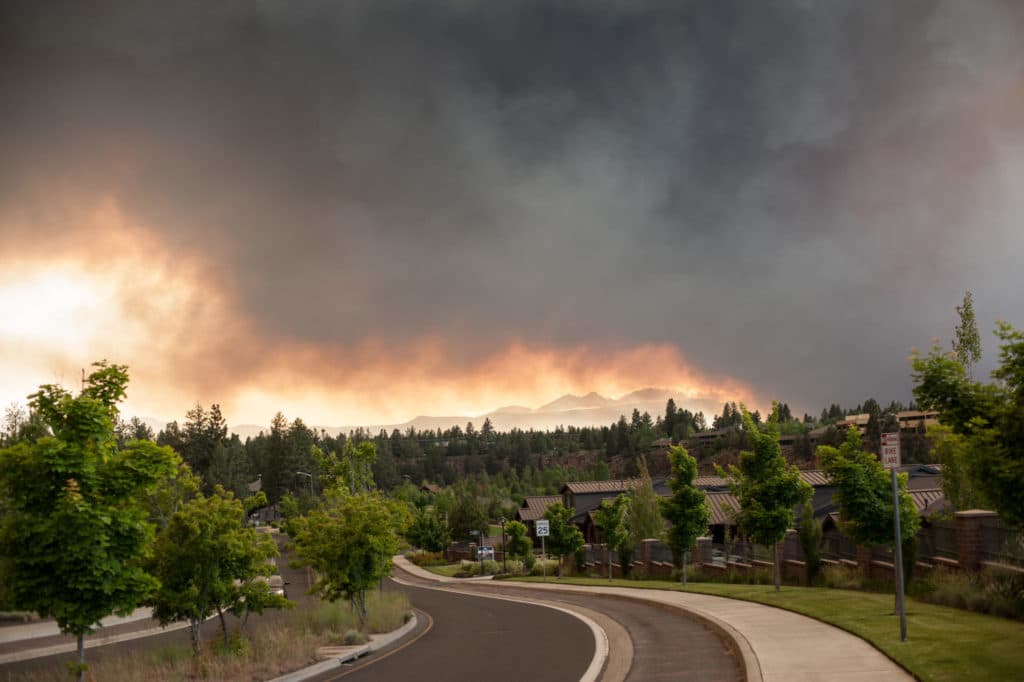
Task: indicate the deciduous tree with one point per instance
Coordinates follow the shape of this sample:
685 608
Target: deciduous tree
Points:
208 562
350 544
990 417
767 488
74 528
864 494
686 510
966 340
565 538
612 518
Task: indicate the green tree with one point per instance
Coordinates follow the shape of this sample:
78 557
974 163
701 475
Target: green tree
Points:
612 518
686 510
645 519
353 468
966 340
990 417
565 538
519 544
952 451
864 493
427 531
766 487
74 528
467 515
350 544
208 562
810 542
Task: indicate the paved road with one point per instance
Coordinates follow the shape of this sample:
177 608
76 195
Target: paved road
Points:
479 638
666 643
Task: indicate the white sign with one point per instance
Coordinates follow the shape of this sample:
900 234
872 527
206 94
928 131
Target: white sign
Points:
543 528
890 450
484 553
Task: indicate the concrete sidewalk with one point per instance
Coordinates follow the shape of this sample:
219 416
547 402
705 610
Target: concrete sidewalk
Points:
777 645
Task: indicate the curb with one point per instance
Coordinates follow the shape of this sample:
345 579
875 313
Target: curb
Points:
376 643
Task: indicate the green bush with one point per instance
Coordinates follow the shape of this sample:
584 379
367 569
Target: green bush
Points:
423 558
516 567
538 567
995 591
467 569
491 567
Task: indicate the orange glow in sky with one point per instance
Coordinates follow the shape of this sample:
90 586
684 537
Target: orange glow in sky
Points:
120 297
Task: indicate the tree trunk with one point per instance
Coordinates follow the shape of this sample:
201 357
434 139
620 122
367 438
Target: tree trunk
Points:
194 624
608 551
775 570
81 657
684 569
223 626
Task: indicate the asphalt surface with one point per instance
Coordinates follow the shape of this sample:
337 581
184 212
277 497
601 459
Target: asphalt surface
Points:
667 644
469 637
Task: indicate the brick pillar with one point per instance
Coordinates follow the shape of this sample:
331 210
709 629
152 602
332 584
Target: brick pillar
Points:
646 553
703 554
968 537
864 560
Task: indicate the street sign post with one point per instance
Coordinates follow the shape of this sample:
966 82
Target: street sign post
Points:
891 461
543 529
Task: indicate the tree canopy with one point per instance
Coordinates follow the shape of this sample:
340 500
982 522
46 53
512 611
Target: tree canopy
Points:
864 494
989 417
768 489
75 528
686 510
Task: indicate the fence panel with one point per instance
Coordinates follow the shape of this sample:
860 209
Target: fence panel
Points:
937 540
836 546
1001 544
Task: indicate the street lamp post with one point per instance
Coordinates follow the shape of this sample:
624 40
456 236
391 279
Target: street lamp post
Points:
504 554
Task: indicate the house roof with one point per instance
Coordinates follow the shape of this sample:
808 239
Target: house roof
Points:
431 488
814 477
928 501
618 485
534 507
723 507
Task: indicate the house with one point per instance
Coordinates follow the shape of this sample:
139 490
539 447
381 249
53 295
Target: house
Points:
533 508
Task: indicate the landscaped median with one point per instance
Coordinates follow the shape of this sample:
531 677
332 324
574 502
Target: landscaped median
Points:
943 643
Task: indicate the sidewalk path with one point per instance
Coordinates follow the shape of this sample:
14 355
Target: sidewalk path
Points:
785 646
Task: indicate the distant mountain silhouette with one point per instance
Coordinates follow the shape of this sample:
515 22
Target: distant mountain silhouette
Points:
591 409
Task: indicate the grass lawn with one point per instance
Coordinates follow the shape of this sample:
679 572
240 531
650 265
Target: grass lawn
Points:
942 643
448 571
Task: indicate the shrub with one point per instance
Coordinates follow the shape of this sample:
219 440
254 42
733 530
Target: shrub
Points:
353 637
842 577
467 569
491 567
539 566
423 558
515 567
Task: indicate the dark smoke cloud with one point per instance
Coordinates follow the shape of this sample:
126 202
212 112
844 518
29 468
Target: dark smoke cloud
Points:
793 193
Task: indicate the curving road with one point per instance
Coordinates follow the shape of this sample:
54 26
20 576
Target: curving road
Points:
659 643
481 638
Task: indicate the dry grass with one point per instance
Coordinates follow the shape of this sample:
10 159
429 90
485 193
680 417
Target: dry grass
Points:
285 645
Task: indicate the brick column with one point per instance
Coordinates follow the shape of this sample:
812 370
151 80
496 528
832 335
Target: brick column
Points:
968 537
864 560
703 553
646 553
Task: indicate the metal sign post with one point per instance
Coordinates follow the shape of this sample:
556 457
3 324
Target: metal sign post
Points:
891 461
543 530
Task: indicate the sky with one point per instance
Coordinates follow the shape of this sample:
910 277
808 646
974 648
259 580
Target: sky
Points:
365 211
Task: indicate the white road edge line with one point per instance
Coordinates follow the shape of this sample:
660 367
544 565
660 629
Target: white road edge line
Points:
593 671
